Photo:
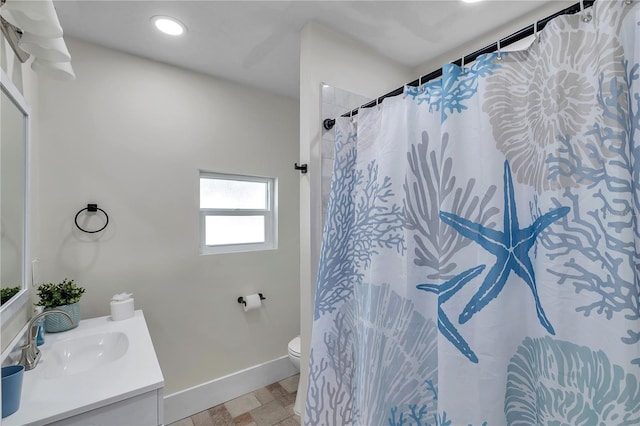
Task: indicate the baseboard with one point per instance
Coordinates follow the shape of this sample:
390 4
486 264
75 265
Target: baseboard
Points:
198 398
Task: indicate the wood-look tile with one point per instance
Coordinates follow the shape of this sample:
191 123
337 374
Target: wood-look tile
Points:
289 421
273 386
202 418
290 384
263 395
280 394
269 414
278 398
220 415
242 404
243 420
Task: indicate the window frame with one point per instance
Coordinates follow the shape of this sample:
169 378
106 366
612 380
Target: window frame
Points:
269 213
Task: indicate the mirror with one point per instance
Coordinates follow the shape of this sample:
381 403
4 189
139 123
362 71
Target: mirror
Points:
14 116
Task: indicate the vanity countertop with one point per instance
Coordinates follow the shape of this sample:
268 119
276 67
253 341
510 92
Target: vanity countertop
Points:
45 400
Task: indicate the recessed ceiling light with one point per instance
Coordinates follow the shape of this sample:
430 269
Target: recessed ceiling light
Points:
168 25
471 1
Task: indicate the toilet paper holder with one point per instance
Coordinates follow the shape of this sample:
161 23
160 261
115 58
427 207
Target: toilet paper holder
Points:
244 302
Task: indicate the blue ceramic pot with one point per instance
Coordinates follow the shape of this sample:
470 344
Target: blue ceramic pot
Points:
55 323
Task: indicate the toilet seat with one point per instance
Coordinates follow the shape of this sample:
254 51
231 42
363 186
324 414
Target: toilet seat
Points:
294 347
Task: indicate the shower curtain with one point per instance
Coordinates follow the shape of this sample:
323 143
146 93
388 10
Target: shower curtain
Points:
481 253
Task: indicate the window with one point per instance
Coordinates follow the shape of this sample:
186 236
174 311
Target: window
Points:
237 213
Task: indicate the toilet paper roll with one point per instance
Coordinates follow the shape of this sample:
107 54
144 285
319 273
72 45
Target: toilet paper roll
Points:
121 310
252 302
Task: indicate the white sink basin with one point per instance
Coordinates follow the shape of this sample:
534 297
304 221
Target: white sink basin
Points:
83 353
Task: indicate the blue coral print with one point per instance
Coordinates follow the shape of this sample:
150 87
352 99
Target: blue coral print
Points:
604 232
361 220
457 85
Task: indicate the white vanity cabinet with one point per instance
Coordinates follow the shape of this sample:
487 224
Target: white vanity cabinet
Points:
141 410
93 375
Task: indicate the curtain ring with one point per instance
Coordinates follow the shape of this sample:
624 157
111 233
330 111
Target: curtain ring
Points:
628 2
586 16
463 71
420 88
404 92
378 104
535 31
499 52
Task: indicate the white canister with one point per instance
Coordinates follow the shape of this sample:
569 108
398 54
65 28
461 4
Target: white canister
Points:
121 306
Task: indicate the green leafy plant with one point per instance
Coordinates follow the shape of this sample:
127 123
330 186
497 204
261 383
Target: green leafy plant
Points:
64 293
7 293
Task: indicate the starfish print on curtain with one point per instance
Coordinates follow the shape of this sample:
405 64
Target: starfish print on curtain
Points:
445 291
510 246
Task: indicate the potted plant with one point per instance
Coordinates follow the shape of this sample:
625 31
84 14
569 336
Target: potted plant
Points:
64 296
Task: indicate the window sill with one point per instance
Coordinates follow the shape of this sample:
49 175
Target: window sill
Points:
236 249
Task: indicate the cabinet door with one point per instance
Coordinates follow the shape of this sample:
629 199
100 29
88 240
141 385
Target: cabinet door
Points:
141 410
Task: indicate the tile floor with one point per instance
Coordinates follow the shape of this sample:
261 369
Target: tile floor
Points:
268 406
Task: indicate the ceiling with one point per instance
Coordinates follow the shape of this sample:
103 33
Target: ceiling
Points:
258 42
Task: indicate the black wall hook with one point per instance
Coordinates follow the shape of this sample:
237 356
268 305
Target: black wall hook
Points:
244 302
328 123
301 167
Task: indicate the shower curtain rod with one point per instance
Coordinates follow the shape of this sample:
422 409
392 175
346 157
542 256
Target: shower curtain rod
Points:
328 123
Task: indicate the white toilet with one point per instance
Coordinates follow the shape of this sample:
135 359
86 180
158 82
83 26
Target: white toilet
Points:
294 351
293 348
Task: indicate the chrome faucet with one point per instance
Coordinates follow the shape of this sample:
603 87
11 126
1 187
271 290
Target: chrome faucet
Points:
30 352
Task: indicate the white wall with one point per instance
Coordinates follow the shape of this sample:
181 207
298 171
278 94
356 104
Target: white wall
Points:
328 57
131 135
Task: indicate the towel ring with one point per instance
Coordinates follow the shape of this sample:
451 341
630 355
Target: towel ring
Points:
91 208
